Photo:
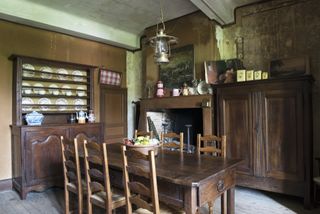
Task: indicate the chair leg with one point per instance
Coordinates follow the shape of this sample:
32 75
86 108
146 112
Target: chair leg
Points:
66 198
89 205
210 205
80 204
224 203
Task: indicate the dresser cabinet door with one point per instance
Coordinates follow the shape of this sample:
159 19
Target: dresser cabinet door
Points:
88 132
43 155
235 121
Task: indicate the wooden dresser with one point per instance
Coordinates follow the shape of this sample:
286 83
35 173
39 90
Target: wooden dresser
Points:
268 124
57 90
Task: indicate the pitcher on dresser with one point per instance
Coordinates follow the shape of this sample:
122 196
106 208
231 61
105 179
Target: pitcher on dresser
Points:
81 117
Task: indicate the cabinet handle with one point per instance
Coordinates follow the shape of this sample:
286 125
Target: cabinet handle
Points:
220 185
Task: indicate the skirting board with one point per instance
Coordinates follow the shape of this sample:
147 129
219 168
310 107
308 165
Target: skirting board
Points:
5 184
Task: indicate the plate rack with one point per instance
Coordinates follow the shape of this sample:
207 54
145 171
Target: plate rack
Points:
53 88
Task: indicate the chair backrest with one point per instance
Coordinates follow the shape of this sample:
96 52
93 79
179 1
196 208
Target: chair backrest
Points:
167 140
71 164
135 190
212 144
138 133
97 171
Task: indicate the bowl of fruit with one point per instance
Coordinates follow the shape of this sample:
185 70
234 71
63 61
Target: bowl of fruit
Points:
142 144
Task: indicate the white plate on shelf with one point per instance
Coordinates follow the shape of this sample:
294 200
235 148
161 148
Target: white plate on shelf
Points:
203 87
47 74
26 90
66 90
27 101
28 73
54 89
39 89
62 102
78 103
64 72
81 91
77 78
44 101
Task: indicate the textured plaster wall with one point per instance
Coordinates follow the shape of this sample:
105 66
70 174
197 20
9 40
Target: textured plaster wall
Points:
134 85
278 29
23 40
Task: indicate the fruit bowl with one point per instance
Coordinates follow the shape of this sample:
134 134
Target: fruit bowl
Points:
142 145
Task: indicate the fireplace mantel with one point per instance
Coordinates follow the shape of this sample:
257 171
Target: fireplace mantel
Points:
181 102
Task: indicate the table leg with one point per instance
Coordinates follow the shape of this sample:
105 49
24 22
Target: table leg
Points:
230 201
190 200
224 206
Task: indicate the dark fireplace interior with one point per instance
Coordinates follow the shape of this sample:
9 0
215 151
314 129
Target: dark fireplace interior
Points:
176 120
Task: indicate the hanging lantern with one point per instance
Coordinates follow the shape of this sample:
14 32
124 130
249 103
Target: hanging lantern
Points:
162 43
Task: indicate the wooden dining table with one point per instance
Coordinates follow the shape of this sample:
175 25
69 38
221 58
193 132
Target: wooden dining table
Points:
186 181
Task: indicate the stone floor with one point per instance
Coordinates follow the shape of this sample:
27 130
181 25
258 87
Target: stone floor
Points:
248 201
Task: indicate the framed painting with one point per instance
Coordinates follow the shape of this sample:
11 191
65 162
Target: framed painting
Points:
180 69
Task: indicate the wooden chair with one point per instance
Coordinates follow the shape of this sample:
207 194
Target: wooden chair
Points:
99 191
316 181
71 172
136 191
138 133
216 146
212 144
169 143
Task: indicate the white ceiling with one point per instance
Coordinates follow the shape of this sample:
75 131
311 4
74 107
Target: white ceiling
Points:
116 22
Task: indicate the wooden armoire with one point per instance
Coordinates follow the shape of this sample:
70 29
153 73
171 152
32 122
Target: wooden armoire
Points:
268 124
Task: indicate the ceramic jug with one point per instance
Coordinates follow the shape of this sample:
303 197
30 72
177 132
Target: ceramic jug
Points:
160 91
91 117
81 116
185 89
176 92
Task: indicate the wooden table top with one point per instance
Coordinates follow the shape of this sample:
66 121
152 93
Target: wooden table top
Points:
183 169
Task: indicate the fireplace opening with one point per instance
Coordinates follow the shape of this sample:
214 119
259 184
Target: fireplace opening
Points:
175 120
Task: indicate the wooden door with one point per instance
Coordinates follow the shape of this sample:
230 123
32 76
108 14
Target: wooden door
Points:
283 131
113 112
235 121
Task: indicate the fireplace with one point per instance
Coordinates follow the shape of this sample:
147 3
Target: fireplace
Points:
174 113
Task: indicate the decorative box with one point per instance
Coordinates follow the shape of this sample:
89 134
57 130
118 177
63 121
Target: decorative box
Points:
265 75
241 75
257 75
249 75
34 118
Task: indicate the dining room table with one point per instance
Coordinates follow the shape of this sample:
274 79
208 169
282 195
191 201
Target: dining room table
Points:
186 181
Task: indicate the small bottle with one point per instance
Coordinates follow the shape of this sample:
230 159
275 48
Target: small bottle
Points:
72 118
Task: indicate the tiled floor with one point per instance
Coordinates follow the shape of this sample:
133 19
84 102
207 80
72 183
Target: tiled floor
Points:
247 202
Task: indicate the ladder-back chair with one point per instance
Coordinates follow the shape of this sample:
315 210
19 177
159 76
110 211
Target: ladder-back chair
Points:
167 140
99 191
216 146
71 172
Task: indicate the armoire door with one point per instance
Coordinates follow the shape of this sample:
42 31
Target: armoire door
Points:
235 121
283 131
113 113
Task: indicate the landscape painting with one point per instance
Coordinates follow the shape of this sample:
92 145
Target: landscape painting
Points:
180 69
